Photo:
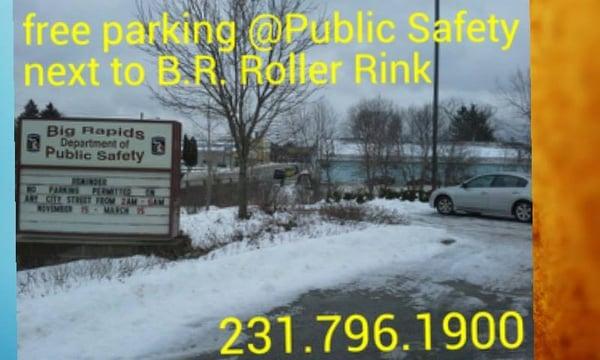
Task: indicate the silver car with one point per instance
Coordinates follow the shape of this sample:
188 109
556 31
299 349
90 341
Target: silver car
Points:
500 194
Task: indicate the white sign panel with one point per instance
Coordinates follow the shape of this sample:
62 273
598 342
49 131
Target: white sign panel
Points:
111 144
88 179
94 202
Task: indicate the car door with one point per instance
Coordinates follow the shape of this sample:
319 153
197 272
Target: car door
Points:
473 195
504 191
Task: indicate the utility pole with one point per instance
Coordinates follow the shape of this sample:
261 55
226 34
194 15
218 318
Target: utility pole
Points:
436 88
209 180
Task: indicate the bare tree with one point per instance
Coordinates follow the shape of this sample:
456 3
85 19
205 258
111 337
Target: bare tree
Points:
516 93
249 108
206 133
420 127
326 161
395 141
455 156
458 160
375 124
399 146
313 127
296 128
325 123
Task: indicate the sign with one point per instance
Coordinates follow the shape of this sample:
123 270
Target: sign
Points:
93 179
107 144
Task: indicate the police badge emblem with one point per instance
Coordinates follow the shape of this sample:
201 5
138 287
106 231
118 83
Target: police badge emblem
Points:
33 142
158 145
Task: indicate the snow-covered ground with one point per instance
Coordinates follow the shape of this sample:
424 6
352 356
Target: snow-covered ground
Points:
162 309
219 226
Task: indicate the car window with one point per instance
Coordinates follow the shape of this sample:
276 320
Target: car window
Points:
508 181
480 182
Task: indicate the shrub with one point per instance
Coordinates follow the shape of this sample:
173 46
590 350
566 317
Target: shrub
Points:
380 215
342 212
360 198
389 194
355 213
409 195
350 196
392 195
337 196
268 196
46 280
424 195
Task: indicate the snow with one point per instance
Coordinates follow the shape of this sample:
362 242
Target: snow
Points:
490 254
404 207
176 308
55 279
164 311
206 228
219 227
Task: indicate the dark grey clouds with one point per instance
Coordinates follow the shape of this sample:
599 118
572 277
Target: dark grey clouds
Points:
468 71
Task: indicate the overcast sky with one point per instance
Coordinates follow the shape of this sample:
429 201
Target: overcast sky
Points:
468 71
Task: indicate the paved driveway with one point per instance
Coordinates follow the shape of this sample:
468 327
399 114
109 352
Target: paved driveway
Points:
423 290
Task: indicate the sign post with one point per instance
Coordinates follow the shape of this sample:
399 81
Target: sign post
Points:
98 181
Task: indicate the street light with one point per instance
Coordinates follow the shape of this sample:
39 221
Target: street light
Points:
436 77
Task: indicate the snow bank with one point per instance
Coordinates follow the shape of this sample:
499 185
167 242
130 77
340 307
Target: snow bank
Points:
220 227
403 207
207 227
162 311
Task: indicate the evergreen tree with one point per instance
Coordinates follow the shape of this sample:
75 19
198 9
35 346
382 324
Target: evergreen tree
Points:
190 152
193 152
472 124
50 112
186 149
30 111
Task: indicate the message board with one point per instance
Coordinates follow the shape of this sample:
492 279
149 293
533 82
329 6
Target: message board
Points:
95 179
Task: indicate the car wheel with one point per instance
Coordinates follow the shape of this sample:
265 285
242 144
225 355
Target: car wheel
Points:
523 211
444 205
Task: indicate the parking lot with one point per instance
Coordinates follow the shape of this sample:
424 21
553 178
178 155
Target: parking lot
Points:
466 278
